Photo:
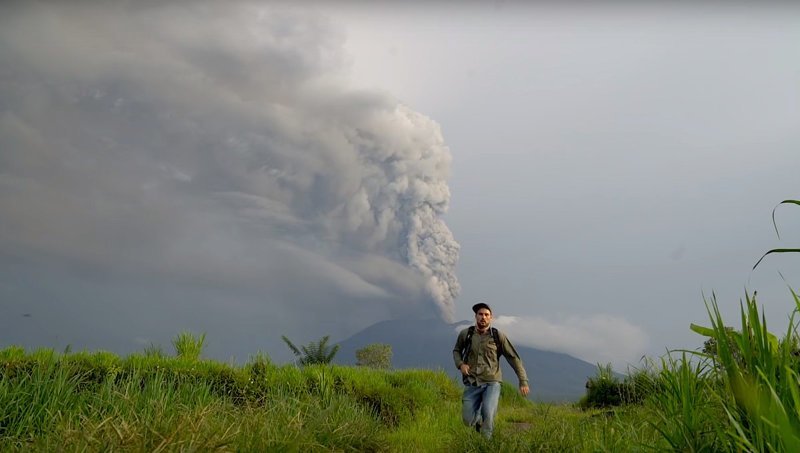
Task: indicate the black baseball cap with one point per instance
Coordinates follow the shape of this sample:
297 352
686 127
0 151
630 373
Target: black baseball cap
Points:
480 305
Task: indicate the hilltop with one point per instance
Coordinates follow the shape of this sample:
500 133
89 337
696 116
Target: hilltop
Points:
429 343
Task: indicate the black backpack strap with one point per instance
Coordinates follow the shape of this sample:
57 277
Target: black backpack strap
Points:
497 342
467 346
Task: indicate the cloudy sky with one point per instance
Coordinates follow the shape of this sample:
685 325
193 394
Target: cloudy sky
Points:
251 170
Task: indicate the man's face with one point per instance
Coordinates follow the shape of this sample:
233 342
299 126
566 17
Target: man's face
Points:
483 318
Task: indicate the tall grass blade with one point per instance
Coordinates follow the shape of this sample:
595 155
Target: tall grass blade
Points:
705 331
774 251
774 224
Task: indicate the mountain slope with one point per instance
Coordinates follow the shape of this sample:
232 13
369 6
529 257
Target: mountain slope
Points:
429 344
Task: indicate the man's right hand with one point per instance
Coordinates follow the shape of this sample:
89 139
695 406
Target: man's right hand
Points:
464 369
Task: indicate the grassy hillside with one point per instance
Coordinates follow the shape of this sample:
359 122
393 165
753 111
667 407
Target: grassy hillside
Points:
99 401
741 394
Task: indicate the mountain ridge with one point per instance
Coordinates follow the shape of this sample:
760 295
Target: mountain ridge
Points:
554 376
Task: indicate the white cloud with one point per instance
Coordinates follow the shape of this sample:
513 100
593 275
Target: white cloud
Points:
598 338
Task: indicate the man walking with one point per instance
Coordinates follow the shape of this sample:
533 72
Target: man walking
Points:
477 355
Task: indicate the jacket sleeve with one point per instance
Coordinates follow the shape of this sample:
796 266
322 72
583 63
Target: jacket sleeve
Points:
514 359
458 348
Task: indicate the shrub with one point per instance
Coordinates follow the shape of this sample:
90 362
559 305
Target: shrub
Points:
188 346
376 355
602 390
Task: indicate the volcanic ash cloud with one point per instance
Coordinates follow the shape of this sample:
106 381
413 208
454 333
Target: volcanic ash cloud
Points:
220 141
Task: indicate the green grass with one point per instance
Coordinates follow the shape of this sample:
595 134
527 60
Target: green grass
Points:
150 402
742 396
50 402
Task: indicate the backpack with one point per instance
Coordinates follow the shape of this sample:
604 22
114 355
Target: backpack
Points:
468 343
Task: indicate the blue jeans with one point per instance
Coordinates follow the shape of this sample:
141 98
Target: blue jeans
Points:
479 405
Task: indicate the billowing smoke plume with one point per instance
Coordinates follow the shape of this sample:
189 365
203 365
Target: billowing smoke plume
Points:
217 142
402 193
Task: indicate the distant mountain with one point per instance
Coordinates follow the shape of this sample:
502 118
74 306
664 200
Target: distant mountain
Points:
554 376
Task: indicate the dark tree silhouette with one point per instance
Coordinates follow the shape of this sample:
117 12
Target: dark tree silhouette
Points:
316 352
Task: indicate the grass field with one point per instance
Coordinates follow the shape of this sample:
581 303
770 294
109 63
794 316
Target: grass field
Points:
80 402
741 396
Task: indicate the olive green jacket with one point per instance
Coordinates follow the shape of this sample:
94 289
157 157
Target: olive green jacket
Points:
484 364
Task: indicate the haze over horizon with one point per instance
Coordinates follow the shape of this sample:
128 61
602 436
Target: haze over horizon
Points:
256 169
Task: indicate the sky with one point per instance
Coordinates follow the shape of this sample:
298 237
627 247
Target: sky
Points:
258 169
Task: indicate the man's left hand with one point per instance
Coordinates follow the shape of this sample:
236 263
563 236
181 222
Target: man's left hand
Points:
524 389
